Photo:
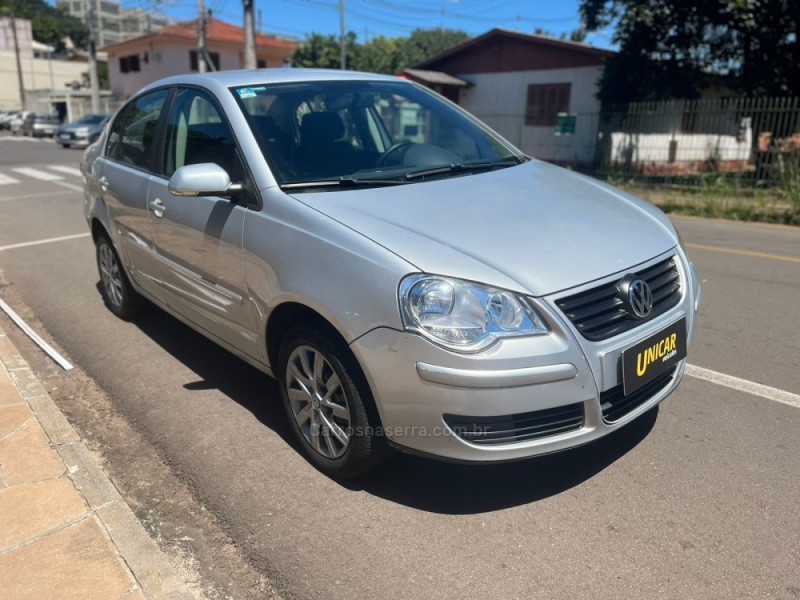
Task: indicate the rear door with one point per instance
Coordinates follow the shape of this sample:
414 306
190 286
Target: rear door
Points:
198 240
124 173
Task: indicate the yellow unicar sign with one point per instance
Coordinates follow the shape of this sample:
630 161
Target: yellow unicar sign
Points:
662 350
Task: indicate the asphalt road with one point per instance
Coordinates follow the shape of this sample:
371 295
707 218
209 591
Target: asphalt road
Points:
696 500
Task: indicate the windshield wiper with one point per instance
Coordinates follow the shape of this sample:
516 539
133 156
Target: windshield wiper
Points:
345 181
397 177
464 167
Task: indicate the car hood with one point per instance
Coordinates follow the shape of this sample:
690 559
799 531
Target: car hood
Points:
534 228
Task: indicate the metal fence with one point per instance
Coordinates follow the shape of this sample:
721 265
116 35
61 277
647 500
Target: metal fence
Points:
747 142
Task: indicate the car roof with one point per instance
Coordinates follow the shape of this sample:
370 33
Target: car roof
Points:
227 79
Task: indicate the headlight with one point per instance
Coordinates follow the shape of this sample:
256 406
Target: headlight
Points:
81 132
462 315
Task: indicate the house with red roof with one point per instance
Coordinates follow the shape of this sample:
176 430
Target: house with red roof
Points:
172 50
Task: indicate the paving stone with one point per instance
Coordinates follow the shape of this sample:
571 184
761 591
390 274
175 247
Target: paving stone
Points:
35 508
52 420
26 456
90 480
154 573
28 383
135 595
12 417
8 391
9 355
77 563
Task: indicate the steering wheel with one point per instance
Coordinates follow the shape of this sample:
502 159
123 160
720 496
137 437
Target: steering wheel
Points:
381 162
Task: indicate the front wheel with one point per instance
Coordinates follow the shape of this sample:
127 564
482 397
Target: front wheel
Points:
329 404
118 294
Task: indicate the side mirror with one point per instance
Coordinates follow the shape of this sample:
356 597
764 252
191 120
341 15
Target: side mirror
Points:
205 179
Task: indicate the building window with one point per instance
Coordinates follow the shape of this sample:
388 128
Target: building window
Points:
261 64
129 63
545 102
193 59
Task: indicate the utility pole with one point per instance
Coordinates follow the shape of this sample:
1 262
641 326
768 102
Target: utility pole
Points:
201 36
16 52
249 35
342 49
94 85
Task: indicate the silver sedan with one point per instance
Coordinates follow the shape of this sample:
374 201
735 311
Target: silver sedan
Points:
411 279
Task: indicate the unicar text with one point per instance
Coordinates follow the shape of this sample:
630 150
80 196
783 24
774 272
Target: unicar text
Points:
663 350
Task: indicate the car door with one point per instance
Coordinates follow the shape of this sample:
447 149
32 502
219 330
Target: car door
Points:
124 173
198 240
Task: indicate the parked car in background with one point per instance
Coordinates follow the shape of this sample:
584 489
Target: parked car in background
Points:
408 276
82 132
5 118
40 125
15 122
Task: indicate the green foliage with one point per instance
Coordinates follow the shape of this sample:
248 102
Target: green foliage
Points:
425 43
668 46
50 24
102 77
322 51
378 55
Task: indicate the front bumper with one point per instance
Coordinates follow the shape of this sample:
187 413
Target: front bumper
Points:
555 387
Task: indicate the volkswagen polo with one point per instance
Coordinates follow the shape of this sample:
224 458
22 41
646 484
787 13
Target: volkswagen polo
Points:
411 279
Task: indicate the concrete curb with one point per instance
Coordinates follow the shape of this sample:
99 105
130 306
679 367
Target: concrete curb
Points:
148 565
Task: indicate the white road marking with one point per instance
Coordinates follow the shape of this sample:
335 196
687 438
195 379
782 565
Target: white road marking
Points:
51 352
68 170
37 174
69 186
6 180
62 238
743 385
37 196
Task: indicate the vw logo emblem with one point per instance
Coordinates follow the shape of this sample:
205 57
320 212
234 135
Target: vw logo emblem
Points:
640 298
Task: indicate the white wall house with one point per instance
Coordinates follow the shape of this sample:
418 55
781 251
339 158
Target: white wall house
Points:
172 50
40 74
519 83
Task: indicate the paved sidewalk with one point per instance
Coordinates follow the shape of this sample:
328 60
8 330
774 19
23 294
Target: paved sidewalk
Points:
65 532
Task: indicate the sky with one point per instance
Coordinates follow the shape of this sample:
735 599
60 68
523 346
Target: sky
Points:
369 18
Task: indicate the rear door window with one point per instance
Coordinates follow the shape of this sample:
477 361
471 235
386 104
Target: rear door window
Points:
132 139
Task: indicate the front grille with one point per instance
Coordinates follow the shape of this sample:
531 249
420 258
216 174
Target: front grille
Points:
600 313
508 429
615 404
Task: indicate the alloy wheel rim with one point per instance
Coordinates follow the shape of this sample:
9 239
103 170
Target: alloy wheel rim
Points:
109 273
318 402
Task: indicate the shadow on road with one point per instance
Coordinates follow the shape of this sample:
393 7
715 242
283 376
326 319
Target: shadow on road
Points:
465 489
415 482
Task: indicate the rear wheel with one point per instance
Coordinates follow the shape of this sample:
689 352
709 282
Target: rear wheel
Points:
329 404
118 294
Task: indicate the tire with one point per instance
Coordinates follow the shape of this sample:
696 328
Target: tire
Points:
327 398
118 294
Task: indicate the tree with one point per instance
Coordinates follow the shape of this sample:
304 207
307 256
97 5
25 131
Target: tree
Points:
50 24
425 43
669 48
102 77
380 54
322 51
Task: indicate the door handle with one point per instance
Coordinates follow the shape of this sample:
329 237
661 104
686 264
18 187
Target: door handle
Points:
158 208
103 181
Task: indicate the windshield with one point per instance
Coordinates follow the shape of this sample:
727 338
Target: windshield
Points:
90 119
364 131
